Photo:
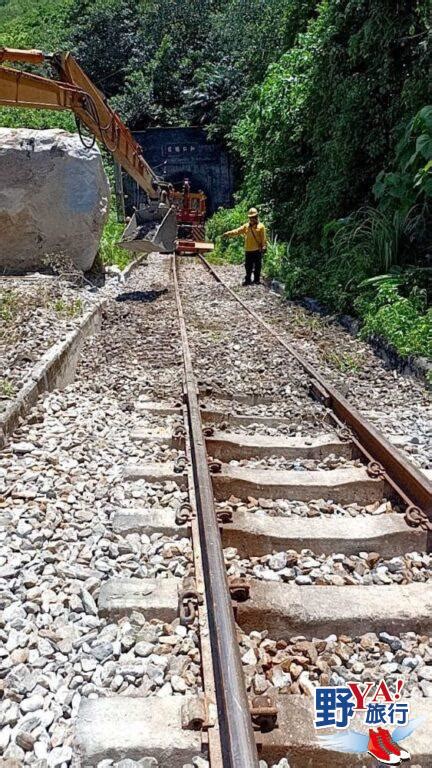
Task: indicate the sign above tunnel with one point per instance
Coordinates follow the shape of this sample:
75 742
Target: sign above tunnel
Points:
179 149
179 153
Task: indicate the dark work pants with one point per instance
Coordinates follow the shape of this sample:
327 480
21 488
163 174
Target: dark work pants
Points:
253 261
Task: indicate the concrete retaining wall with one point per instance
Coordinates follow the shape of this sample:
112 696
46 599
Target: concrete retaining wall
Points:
55 369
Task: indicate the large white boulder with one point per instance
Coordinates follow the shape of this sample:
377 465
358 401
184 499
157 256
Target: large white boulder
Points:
54 199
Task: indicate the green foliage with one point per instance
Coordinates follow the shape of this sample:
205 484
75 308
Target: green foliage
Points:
103 35
410 184
71 308
143 54
34 24
327 116
406 279
329 139
228 249
403 321
394 235
153 94
7 389
109 252
37 119
8 304
245 39
343 361
274 258
163 62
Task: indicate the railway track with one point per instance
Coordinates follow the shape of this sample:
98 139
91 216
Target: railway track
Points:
221 483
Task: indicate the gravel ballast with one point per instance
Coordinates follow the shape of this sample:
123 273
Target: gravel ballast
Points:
398 404
61 477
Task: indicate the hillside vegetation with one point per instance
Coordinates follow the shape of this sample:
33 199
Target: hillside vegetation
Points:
325 107
34 24
336 149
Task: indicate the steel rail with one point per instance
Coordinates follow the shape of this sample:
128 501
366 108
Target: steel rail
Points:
407 480
237 736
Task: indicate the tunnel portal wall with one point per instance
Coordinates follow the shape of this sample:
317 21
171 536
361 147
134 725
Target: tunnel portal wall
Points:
178 153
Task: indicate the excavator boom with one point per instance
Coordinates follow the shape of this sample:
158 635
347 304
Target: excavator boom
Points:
75 91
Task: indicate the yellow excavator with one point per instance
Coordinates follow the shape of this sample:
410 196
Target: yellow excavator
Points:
153 227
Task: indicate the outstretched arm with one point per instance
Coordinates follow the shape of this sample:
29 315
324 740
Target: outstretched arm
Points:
235 232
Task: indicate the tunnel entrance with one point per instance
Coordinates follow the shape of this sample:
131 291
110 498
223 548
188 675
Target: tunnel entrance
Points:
179 153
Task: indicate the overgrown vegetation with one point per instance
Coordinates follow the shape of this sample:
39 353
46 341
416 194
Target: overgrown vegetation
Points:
34 24
8 305
68 308
343 361
404 320
7 389
336 148
109 251
323 104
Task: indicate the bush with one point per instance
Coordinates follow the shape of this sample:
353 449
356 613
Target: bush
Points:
227 249
329 113
109 252
403 321
274 259
392 235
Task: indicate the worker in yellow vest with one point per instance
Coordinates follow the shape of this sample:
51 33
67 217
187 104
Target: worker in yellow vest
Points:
255 236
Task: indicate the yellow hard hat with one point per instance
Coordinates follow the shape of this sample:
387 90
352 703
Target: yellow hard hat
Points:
252 212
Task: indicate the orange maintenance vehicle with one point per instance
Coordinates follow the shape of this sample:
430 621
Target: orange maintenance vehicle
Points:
190 213
154 226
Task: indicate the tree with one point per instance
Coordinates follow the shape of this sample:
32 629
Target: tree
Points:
104 37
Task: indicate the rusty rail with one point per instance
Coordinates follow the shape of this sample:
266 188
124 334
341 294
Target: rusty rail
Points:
237 736
406 480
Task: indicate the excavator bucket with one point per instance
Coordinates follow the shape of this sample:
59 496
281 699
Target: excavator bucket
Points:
144 234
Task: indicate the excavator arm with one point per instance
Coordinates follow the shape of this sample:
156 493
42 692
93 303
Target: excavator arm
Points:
74 91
